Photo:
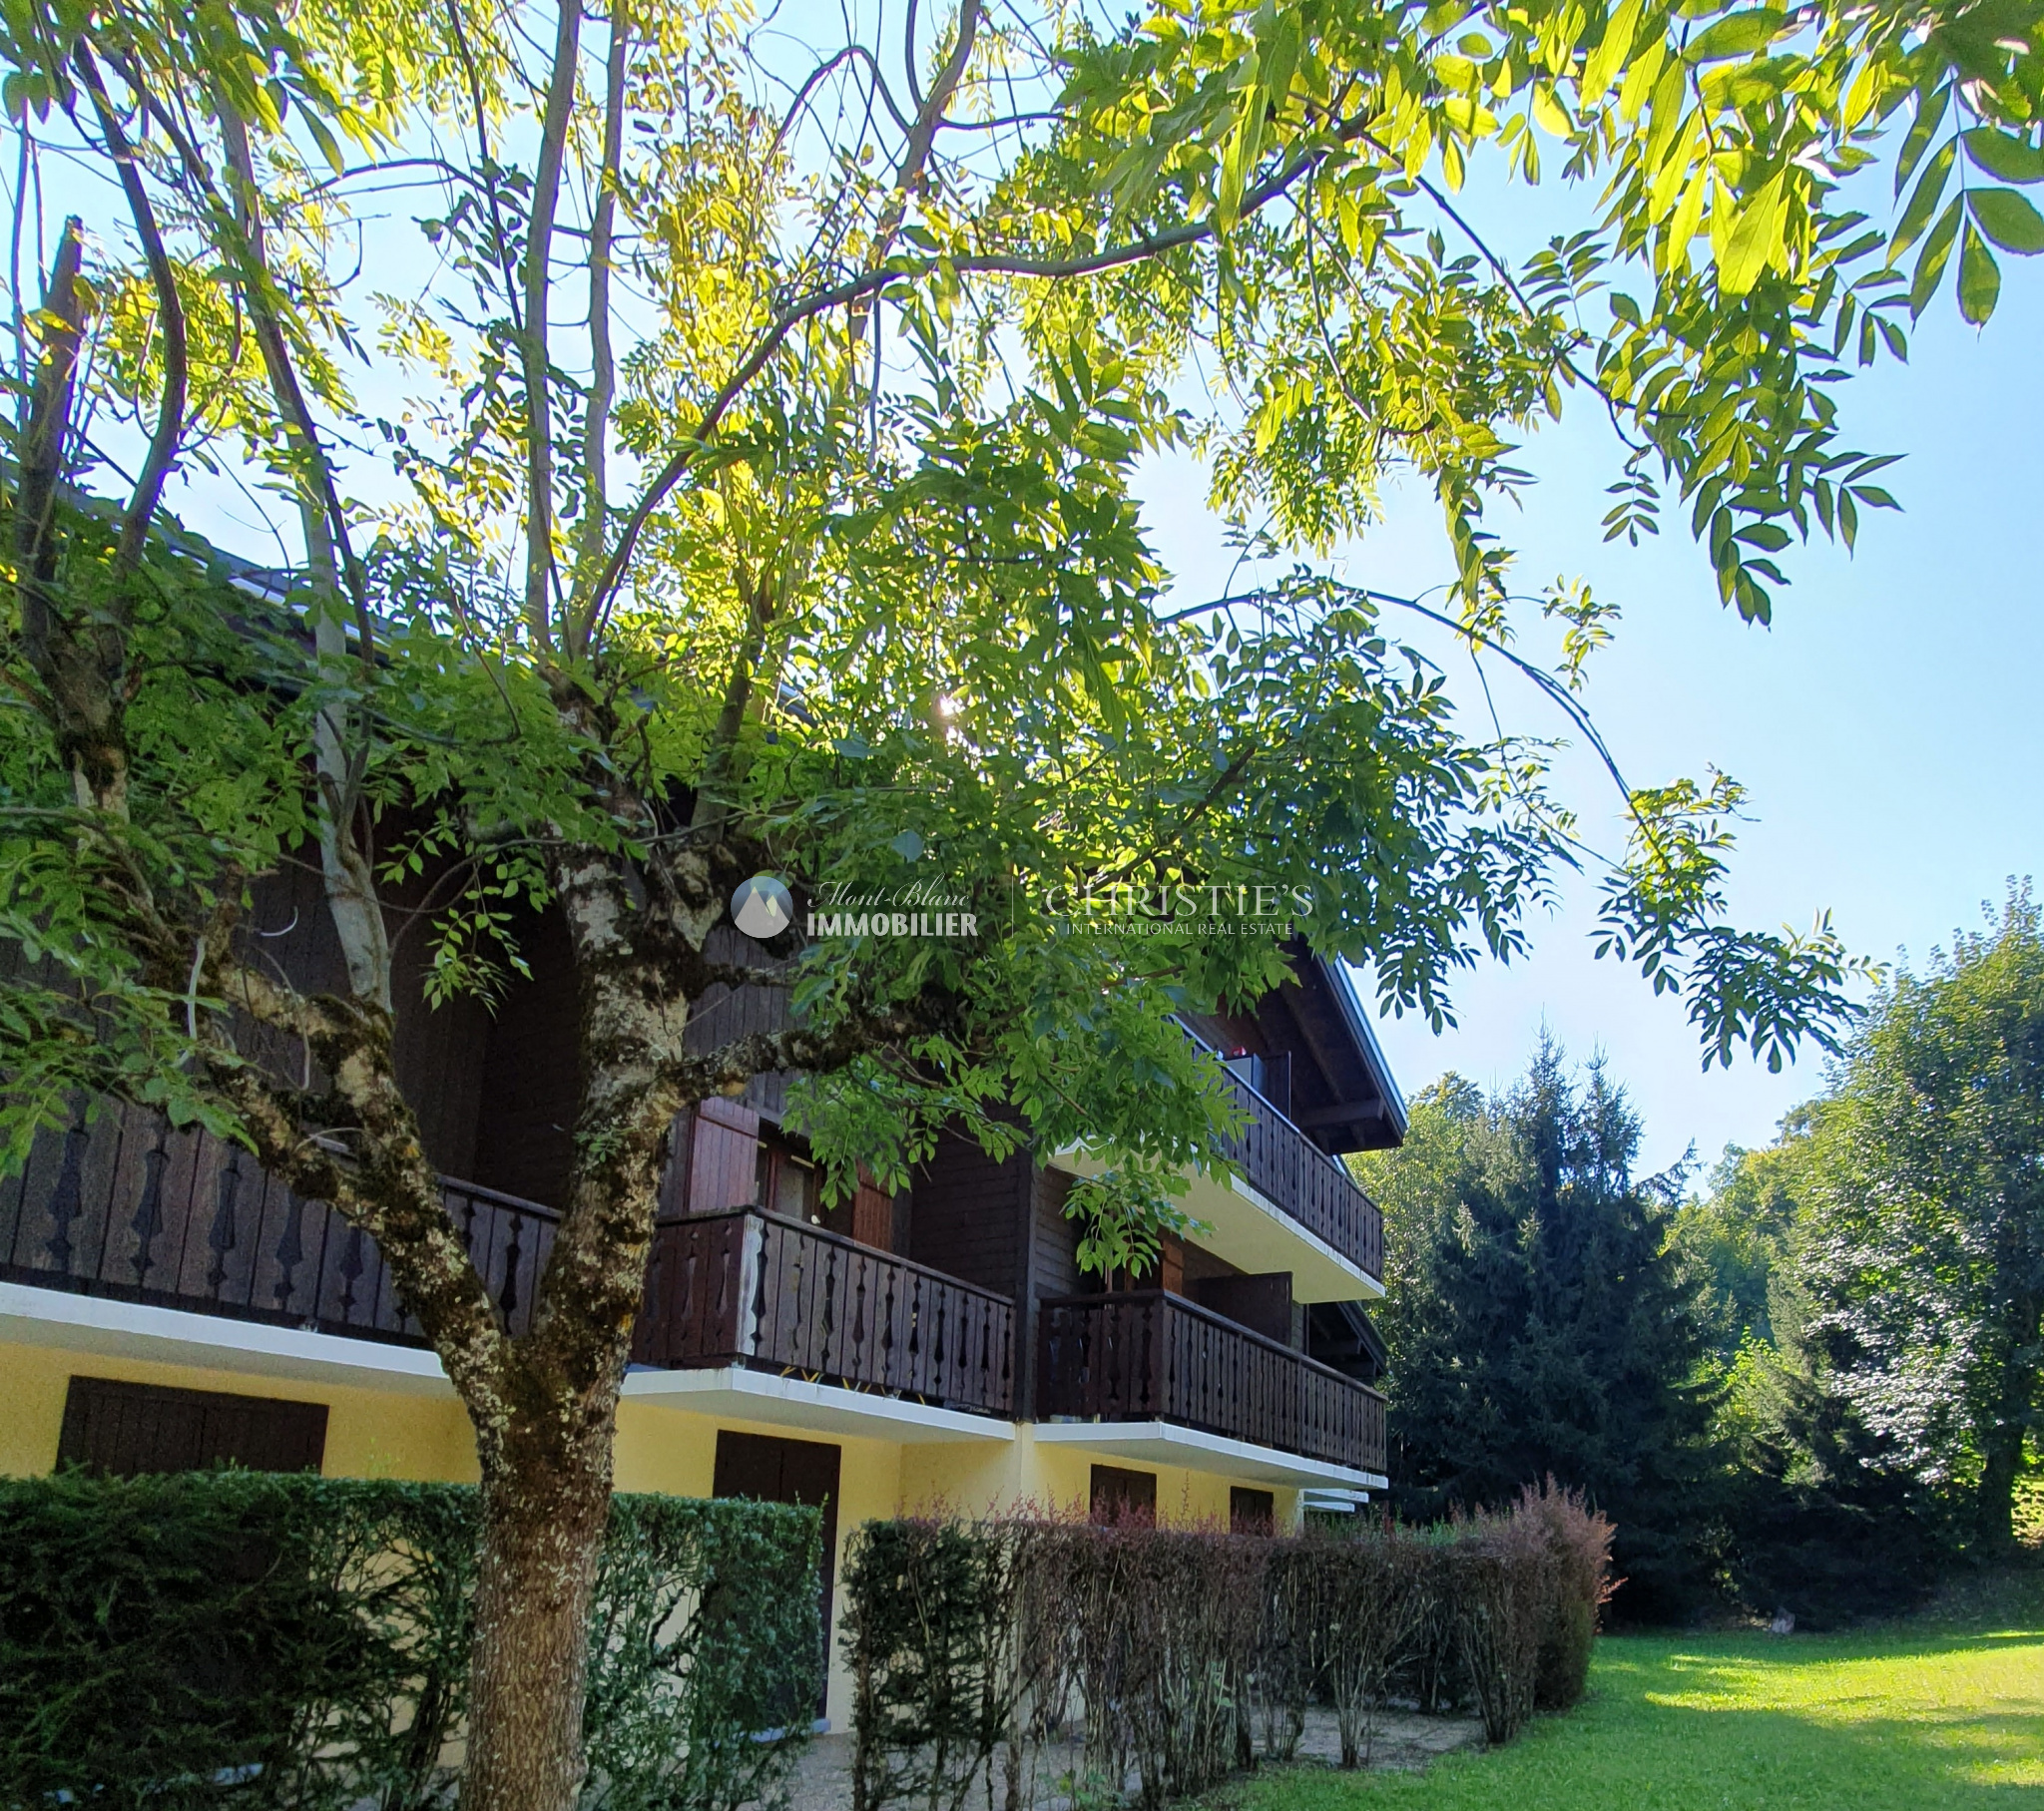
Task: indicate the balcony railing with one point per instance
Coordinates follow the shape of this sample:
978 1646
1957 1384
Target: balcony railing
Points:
1296 1176
120 1206
1148 1356
751 1289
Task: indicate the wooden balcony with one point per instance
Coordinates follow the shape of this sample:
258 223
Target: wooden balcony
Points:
1300 1180
1148 1356
749 1289
122 1205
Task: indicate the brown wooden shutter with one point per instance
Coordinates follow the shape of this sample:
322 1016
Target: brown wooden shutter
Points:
724 1161
1123 1496
1251 1511
126 1429
872 1215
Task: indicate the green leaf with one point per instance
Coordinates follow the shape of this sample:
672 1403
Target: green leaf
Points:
1925 199
329 149
1601 67
1929 115
2002 156
908 845
1755 239
1932 261
1979 278
2008 219
1738 35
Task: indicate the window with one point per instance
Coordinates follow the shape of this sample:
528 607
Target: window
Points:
783 1183
1121 1495
1251 1511
126 1429
793 1188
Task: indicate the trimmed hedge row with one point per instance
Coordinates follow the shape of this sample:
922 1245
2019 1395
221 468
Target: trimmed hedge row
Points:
205 1640
998 1655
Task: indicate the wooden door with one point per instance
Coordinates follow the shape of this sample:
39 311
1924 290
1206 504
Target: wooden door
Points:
770 1468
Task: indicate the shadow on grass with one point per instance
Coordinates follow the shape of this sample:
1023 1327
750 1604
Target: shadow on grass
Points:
1725 1724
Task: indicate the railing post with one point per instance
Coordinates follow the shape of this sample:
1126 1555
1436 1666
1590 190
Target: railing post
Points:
751 1281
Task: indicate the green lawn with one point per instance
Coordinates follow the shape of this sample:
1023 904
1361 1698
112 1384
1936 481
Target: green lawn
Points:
1911 1720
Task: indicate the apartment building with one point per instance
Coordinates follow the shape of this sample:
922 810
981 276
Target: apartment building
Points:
164 1303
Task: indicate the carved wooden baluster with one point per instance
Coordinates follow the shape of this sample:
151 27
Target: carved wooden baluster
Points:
66 1199
149 1210
222 1237
823 1294
857 1362
770 1255
927 1346
909 1373
514 1254
291 1253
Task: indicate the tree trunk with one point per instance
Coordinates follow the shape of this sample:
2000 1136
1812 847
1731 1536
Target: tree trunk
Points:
2001 1447
546 1502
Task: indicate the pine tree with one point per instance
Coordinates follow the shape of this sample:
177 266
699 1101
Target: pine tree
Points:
1540 1322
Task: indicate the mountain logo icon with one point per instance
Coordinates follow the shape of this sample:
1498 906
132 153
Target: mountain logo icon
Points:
762 907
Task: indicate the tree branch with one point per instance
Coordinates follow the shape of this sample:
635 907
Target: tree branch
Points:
603 367
170 421
539 251
871 282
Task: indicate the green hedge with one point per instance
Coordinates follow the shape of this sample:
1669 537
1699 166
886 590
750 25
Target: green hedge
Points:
1005 1659
244 1638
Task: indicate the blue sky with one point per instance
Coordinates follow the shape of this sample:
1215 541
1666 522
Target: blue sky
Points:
1889 726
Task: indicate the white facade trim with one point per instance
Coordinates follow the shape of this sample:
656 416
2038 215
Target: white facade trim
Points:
746 1394
1368 1287
1248 1229
31 1315
1165 1443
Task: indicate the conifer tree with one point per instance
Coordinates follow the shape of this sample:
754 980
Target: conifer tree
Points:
1539 1321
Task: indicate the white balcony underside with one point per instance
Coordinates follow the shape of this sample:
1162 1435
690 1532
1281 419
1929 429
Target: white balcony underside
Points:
740 1394
1254 1234
1165 1443
31 1315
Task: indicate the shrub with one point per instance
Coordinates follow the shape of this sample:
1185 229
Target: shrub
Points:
1498 1579
1146 1657
204 1639
1579 1550
1374 1591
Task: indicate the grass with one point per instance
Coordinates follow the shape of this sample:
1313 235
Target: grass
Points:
1932 1715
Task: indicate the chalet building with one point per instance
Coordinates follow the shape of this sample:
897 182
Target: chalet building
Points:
166 1304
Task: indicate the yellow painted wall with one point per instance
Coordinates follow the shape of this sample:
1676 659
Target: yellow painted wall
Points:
394 1434
1057 1479
674 1451
369 1433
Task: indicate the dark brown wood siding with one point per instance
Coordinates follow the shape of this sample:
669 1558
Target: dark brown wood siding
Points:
439 1050
967 1213
525 1130
1053 1239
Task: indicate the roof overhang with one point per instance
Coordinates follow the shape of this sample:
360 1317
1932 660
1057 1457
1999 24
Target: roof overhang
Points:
32 1315
738 1394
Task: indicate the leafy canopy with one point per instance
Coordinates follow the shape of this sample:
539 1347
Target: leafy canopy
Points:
740 448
